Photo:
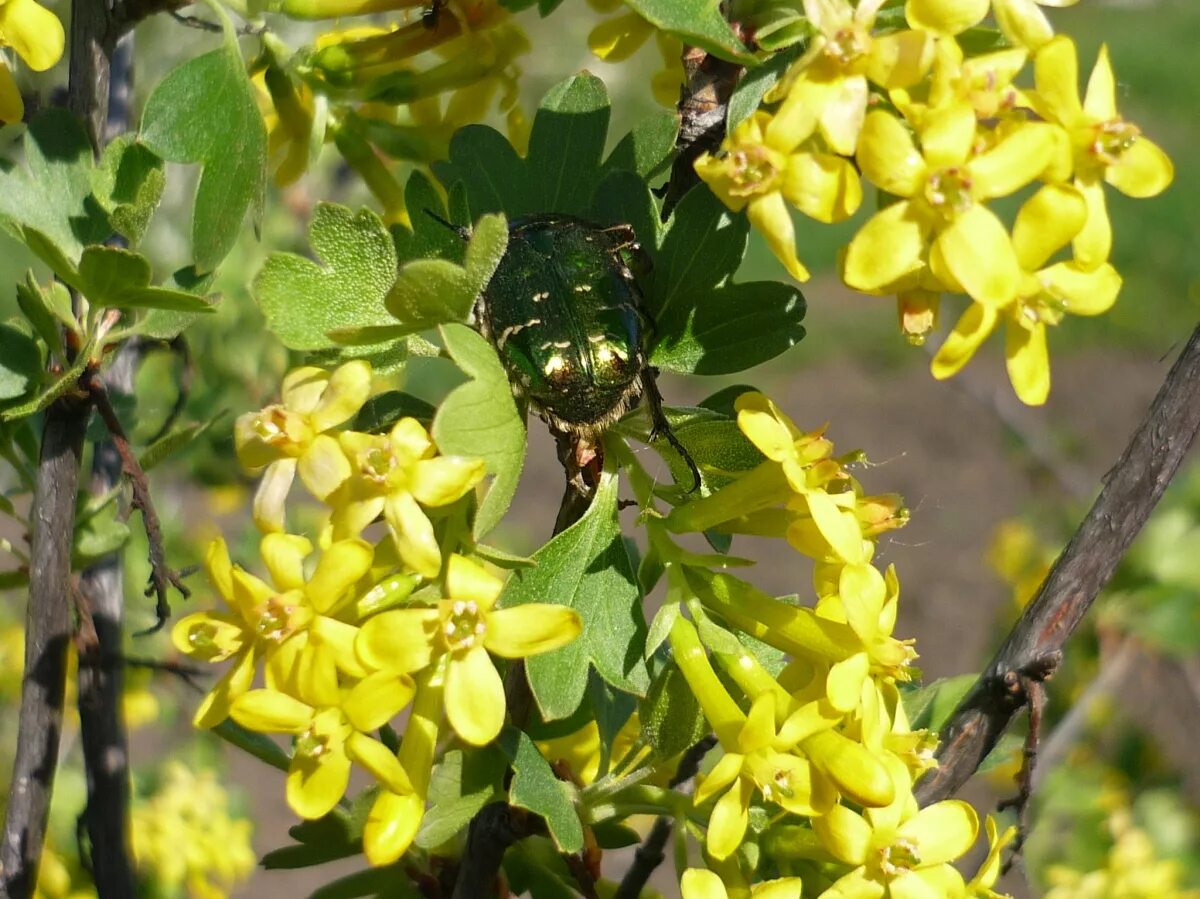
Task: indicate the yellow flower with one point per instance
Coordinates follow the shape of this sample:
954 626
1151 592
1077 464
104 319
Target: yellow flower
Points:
941 213
827 88
290 116
761 168
1046 223
1023 22
945 17
291 436
1104 147
285 625
697 883
985 878
395 474
897 850
331 732
617 38
466 626
37 36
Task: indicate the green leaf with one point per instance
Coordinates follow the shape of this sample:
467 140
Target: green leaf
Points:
703 245
930 705
587 568
566 144
480 418
204 112
173 442
99 532
612 835
430 292
129 183
671 717
167 324
383 410
53 194
20 363
714 441
534 787
429 238
748 93
733 328
647 150
258 745
696 22
39 308
304 301
381 883
461 785
112 276
68 381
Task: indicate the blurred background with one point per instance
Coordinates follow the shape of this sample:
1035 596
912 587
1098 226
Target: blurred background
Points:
995 488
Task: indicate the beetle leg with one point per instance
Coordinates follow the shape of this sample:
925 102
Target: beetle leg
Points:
660 427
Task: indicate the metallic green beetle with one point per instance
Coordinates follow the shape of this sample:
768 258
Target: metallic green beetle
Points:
566 316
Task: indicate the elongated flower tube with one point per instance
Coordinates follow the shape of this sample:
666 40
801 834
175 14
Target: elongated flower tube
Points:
465 626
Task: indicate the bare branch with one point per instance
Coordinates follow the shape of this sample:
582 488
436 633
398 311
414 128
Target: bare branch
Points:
1131 491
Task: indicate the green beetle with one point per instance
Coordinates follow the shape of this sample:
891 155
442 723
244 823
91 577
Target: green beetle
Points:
565 313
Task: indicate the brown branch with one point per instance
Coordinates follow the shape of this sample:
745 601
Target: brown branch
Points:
493 830
162 576
1131 490
47 630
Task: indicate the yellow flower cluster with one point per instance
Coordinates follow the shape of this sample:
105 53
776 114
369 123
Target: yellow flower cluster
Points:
37 36
348 634
184 837
941 134
824 745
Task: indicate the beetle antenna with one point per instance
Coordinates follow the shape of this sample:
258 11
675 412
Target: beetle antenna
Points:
461 230
660 427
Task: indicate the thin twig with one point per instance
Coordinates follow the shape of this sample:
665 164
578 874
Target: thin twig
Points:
162 576
1036 691
1131 491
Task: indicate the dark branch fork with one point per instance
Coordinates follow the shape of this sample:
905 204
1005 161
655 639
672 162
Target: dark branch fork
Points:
1132 488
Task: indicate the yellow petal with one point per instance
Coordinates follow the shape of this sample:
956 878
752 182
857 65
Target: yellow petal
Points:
779 888
770 217
1084 292
844 833
1028 362
314 788
729 820
942 831
757 418
968 335
413 534
888 156
1056 73
1014 162
410 440
475 697
1143 170
284 555
824 187
377 699
12 107
339 637
698 883
33 31
617 39
945 17
209 636
886 248
317 677
727 770
1047 222
324 467
837 525
900 59
442 480
352 516
948 134
303 387
219 568
338 569
379 761
1022 22
272 493
214 708
976 248
862 591
346 391
841 118
467 579
531 630
1094 243
401 640
857 772
759 729
1100 99
391 826
272 712
796 119
843 686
